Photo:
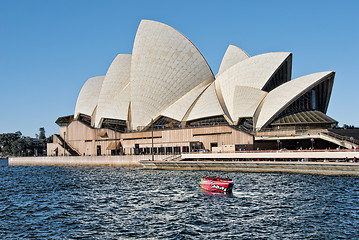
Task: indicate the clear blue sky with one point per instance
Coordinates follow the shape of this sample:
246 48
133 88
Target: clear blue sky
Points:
48 48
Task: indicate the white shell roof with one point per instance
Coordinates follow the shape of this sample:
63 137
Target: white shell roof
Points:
245 102
165 66
281 97
253 72
178 110
88 96
206 106
166 75
119 107
113 99
232 56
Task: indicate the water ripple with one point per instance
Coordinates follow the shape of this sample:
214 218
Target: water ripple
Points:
132 203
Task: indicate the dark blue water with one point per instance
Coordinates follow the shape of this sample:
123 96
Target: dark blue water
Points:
132 203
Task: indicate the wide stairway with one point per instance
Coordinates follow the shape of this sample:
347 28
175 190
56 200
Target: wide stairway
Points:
68 147
348 137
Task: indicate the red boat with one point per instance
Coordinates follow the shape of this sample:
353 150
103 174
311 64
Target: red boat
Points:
217 184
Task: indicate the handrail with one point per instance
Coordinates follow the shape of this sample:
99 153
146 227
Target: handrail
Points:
172 158
285 129
341 137
242 129
68 146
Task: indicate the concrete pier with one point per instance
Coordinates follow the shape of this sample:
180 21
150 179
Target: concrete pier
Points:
118 161
325 168
275 155
314 162
310 162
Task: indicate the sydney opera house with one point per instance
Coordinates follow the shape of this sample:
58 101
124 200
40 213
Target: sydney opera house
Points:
165 97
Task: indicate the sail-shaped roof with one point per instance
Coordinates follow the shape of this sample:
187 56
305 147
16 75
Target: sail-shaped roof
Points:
232 56
207 105
114 95
245 102
253 72
167 79
165 66
179 109
281 97
88 96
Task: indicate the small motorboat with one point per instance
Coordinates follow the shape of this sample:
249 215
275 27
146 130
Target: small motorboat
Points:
217 184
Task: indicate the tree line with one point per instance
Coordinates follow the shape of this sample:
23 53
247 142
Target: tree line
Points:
15 144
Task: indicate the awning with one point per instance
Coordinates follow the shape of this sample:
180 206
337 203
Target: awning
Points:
102 133
304 117
64 121
114 146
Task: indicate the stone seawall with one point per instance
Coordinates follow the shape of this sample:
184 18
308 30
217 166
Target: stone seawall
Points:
121 161
326 168
278 155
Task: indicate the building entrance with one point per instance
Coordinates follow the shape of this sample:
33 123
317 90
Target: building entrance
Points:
98 150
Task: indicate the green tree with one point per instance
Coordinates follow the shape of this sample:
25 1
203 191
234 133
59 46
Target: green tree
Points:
42 133
12 144
15 144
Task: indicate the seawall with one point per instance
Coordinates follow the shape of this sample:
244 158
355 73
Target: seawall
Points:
325 168
120 161
310 162
277 155
331 163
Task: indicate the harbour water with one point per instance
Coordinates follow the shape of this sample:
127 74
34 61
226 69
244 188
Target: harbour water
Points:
132 203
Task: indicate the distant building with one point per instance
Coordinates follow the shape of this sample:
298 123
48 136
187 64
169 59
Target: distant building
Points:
165 88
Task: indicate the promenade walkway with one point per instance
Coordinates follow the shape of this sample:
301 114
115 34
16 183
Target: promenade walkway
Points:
311 155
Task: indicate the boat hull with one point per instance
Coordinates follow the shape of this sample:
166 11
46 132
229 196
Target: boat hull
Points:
215 184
